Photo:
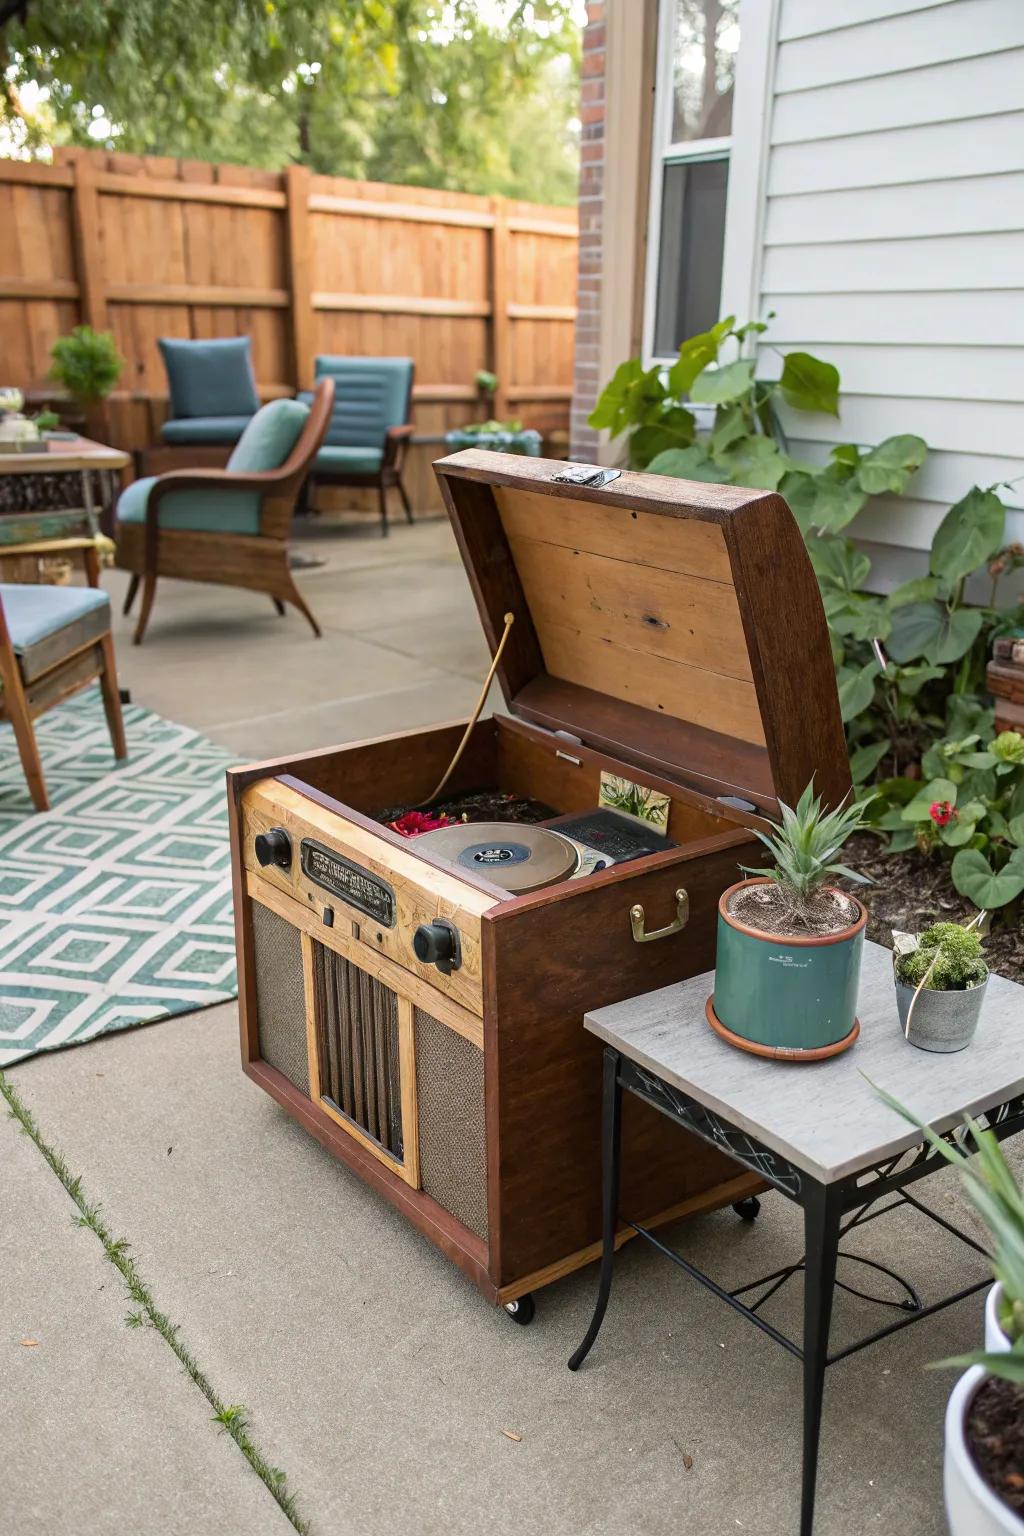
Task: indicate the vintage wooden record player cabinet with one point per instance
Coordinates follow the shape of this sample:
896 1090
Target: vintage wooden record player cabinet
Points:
667 631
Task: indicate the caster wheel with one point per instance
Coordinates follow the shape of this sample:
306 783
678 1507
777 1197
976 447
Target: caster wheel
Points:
748 1210
521 1310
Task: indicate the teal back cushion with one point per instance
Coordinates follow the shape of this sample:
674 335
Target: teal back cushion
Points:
269 437
210 378
371 394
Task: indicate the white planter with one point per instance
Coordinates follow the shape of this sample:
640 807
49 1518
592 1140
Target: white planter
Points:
996 1341
972 1509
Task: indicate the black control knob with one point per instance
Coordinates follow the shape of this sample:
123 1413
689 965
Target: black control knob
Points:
274 847
437 944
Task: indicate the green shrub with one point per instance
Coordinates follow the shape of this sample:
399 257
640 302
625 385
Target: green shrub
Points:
86 363
948 959
910 664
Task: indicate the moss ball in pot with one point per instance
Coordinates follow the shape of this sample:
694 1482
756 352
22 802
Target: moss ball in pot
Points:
787 969
940 987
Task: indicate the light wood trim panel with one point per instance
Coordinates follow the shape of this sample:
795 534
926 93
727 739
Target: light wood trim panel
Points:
739 1188
130 185
668 687
401 304
309 995
209 294
410 213
410 1101
663 613
421 993
373 1147
671 544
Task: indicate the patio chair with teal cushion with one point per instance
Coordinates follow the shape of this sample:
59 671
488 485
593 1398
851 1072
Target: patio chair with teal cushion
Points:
231 525
370 429
212 389
54 641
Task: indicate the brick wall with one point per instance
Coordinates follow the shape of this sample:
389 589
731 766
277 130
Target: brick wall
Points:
586 380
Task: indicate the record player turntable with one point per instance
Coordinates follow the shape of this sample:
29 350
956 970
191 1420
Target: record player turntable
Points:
416 1002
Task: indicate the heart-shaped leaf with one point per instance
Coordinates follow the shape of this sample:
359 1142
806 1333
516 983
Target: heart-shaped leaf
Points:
756 462
889 466
1015 830
932 631
865 760
975 878
856 690
674 430
968 535
694 356
718 386
920 590
688 464
838 562
835 504
808 384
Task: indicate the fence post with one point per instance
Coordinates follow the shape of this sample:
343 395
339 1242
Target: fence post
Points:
501 351
88 253
299 273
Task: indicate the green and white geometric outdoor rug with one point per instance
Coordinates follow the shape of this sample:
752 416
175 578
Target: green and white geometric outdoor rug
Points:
115 906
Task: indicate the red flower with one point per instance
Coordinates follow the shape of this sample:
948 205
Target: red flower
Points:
415 822
941 812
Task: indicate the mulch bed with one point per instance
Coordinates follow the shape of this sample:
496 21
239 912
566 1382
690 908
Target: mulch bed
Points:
995 1434
911 891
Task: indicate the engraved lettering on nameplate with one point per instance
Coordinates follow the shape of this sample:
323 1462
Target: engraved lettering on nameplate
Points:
356 886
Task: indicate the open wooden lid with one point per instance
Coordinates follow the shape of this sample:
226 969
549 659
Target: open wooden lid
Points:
674 624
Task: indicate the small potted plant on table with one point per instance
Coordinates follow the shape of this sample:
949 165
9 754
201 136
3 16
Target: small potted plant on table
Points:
941 978
87 364
790 943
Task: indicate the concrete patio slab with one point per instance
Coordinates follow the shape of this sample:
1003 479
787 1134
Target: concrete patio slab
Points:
395 1398
103 1431
385 1385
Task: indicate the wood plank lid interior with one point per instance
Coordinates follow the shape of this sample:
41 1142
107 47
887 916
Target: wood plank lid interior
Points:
673 624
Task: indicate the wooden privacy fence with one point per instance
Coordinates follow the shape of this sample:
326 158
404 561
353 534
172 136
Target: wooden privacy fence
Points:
148 246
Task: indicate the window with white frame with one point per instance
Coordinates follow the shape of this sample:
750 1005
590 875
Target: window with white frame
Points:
698 41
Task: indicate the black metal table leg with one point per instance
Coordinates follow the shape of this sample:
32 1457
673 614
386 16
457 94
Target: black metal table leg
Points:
611 1141
822 1215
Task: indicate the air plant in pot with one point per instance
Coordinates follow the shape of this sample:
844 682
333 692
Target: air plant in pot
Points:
941 977
790 942
984 1456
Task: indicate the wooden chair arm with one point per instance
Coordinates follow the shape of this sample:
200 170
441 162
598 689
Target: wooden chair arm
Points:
395 444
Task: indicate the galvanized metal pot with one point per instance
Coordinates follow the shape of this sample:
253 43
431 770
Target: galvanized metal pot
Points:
793 998
941 1021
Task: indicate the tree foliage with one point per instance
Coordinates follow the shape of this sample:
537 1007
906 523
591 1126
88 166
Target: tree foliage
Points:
441 93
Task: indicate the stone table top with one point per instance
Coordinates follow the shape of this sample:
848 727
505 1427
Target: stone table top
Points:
824 1117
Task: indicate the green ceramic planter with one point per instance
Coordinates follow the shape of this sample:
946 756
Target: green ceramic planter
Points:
794 998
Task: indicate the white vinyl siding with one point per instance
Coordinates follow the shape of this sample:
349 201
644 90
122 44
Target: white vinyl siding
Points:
889 239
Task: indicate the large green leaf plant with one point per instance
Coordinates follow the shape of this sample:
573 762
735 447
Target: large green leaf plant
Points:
910 663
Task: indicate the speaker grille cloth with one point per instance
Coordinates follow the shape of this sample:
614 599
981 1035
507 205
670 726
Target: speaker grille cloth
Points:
453 1147
280 995
357 1047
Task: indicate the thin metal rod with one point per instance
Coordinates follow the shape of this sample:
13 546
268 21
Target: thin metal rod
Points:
474 717
717 1290
913 1317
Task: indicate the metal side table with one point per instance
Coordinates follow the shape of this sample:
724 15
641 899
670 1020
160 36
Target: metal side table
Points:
816 1132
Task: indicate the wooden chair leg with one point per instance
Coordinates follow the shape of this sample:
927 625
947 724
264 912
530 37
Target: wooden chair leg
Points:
383 495
133 587
278 605
405 500
24 732
112 698
148 594
293 595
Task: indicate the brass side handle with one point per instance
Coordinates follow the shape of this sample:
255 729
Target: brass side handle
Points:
636 920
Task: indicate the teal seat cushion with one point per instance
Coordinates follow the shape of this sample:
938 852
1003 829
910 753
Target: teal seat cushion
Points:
46 624
269 437
34 613
210 378
347 461
212 511
204 430
371 394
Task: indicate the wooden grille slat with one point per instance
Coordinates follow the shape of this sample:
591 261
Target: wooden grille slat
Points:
358 1049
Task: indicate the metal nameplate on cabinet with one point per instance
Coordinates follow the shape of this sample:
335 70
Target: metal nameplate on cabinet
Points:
354 885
